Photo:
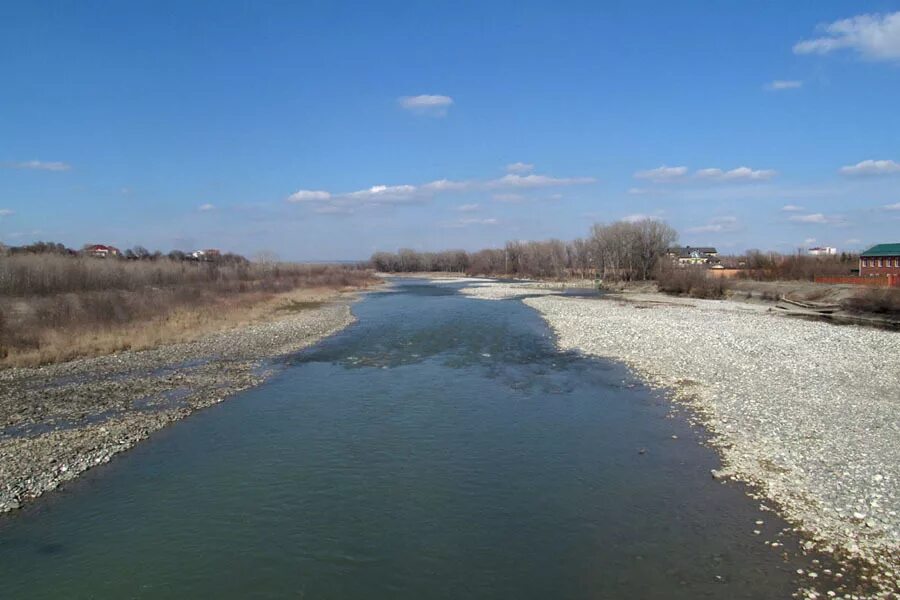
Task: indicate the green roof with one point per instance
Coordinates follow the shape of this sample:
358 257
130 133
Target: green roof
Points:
883 250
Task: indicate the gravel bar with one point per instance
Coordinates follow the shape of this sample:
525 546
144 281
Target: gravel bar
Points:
60 420
806 412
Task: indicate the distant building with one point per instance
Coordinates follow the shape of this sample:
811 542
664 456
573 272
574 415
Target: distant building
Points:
883 259
823 251
687 255
101 251
209 254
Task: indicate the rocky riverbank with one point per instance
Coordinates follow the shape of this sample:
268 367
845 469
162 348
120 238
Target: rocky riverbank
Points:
808 413
60 420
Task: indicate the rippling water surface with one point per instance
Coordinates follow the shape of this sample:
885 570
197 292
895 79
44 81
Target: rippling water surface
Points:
439 448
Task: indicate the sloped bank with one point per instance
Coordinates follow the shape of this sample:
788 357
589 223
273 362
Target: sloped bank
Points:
807 412
60 420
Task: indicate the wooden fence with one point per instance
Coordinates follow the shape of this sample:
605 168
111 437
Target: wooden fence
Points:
879 281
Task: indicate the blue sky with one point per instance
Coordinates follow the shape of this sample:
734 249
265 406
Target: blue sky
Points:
326 130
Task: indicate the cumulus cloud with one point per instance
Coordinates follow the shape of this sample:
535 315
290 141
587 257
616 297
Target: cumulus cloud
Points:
817 218
791 208
783 84
871 167
385 193
662 173
487 221
39 165
206 207
519 168
309 196
738 174
426 104
717 225
873 36
536 181
895 206
408 194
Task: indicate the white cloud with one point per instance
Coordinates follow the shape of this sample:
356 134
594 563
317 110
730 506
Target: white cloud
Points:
871 167
40 165
791 208
717 225
6 212
406 193
817 218
874 36
520 168
488 221
468 207
638 191
662 173
738 174
809 241
508 197
853 242
206 207
783 84
895 206
536 181
445 185
385 193
309 196
426 104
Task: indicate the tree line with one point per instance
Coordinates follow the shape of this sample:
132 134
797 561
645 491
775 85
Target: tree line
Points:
134 253
615 251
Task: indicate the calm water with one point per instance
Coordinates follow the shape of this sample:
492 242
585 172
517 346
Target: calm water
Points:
439 448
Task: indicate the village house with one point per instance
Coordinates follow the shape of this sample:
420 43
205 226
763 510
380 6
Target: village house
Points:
101 251
687 255
880 260
210 254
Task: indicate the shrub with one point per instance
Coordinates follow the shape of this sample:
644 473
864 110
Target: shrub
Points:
689 281
875 300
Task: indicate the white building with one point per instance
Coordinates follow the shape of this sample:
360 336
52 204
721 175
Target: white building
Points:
820 251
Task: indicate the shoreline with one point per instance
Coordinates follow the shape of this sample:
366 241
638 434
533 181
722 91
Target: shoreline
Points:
806 413
802 439
60 420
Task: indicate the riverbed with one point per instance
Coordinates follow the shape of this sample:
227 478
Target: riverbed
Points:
439 447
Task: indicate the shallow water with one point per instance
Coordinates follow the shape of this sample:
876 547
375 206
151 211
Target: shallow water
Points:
441 447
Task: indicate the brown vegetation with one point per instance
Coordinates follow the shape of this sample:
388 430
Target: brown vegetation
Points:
793 267
689 281
56 307
622 251
884 301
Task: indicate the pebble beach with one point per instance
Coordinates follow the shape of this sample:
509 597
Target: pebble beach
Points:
806 412
59 420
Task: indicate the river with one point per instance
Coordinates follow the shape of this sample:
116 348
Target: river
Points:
441 447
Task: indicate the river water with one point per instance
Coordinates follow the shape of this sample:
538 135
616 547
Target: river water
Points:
441 447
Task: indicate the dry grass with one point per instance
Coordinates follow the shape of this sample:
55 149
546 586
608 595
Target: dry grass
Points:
885 301
49 314
184 324
690 281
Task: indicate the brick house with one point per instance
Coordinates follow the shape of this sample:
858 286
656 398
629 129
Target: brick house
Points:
880 260
101 251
